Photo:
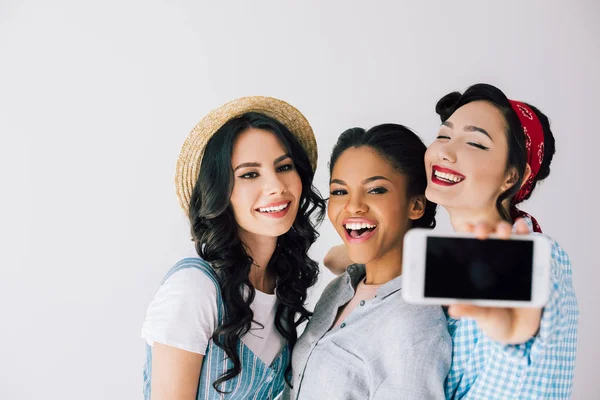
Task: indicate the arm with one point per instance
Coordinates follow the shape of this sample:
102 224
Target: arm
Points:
336 259
504 325
519 325
179 323
559 317
175 373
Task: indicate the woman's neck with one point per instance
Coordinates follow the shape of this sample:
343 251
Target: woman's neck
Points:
384 268
460 218
260 249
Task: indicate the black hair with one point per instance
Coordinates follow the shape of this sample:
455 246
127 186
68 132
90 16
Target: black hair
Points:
517 152
215 233
403 149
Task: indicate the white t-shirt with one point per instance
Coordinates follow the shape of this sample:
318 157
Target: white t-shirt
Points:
183 314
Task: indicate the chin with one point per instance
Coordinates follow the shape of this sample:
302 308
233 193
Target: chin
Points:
273 232
434 196
359 258
281 231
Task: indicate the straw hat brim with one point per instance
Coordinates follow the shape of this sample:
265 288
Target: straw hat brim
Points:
190 157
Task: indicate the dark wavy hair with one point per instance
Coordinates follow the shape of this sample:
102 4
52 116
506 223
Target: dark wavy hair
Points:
403 149
215 233
517 152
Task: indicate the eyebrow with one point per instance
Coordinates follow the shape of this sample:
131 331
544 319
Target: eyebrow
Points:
256 164
371 179
469 128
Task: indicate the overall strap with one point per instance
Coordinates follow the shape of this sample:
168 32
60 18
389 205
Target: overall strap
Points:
208 270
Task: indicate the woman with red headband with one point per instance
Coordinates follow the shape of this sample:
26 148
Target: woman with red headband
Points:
489 155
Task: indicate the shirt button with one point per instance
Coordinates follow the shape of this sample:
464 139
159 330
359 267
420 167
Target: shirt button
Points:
362 302
343 325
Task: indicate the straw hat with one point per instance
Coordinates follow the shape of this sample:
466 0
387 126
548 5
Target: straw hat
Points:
190 157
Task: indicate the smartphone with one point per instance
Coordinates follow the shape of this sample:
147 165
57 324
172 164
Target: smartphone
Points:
448 268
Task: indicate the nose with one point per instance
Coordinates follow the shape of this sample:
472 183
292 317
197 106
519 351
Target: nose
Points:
355 205
446 152
274 185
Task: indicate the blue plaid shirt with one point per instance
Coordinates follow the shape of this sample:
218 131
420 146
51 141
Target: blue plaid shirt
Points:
541 368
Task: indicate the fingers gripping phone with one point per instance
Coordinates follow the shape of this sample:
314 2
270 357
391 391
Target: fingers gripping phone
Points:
448 268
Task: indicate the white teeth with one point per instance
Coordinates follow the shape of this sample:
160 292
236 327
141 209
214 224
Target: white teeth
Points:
448 177
274 209
355 226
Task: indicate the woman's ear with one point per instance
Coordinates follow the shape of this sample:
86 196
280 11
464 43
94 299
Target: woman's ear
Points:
416 207
526 175
511 178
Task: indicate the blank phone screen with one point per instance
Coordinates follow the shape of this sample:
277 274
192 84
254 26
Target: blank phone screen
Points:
490 269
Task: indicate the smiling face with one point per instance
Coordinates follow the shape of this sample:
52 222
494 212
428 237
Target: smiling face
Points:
266 186
369 206
466 165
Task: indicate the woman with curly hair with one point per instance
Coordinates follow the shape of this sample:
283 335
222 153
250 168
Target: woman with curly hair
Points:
222 325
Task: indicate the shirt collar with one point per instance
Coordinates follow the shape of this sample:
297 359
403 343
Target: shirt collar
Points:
356 272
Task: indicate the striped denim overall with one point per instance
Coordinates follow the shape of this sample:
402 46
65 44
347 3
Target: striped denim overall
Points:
256 380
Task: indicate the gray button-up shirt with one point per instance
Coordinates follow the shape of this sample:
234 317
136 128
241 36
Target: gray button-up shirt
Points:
385 349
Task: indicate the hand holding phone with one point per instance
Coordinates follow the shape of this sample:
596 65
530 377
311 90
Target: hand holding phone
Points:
505 313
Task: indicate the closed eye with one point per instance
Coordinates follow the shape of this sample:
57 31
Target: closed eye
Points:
442 137
479 146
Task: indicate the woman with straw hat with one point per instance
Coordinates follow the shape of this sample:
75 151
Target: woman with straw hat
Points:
222 325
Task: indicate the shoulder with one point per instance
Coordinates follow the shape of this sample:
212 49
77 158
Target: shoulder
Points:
561 262
185 310
193 263
336 284
329 298
559 254
190 283
329 294
333 288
